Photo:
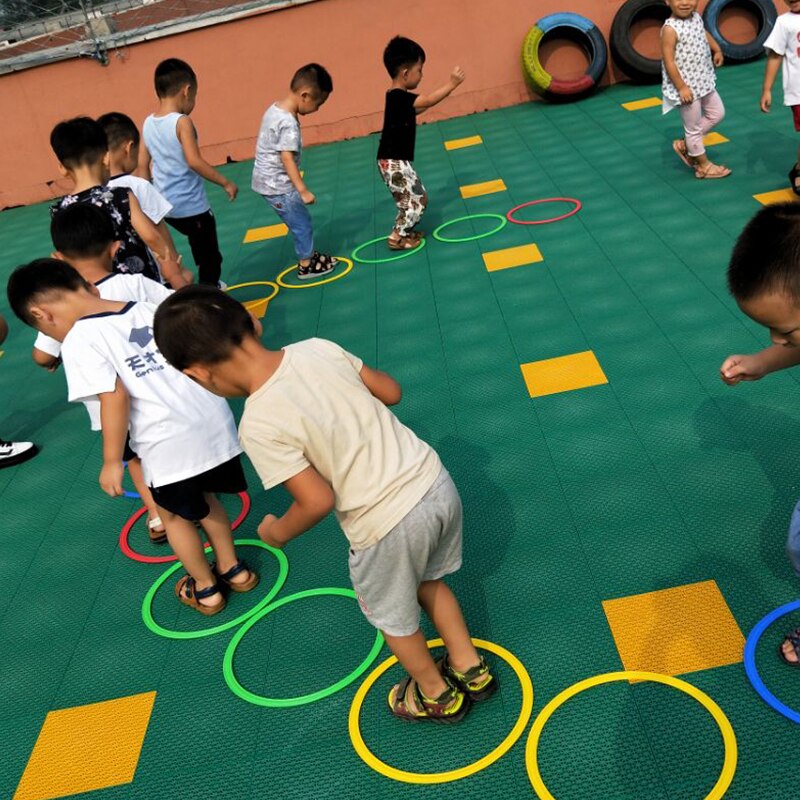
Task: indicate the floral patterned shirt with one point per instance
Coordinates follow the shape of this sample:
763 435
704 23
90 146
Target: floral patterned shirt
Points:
692 58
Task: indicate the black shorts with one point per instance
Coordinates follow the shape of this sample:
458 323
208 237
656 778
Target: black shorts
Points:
186 498
127 453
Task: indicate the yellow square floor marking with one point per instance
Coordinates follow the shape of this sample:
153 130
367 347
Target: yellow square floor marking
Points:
648 102
562 374
268 232
512 257
778 196
257 307
477 189
457 144
86 748
710 139
674 631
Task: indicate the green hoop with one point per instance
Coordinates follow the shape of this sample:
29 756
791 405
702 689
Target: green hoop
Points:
147 603
288 702
503 223
403 254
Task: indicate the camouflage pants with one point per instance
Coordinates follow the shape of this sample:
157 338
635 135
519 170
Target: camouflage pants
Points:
408 192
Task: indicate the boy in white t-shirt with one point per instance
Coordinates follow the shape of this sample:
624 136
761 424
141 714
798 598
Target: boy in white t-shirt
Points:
316 421
783 48
185 436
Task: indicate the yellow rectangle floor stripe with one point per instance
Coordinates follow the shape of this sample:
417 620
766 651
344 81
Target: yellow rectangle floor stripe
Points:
256 307
457 144
268 232
477 189
648 102
778 196
563 374
713 138
512 257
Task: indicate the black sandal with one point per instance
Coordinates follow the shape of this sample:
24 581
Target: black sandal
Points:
793 637
316 267
477 682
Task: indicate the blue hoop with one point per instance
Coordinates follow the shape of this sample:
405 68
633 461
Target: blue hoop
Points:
750 661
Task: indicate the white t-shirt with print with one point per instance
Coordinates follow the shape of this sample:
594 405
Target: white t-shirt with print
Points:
177 428
152 202
279 132
316 411
785 41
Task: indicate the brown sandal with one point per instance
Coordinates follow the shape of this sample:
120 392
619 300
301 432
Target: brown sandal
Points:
408 703
189 595
679 146
403 243
711 171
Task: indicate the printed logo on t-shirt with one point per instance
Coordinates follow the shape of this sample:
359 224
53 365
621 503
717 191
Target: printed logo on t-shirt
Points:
148 361
141 336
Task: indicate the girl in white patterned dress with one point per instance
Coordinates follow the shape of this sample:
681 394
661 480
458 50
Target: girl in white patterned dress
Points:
689 55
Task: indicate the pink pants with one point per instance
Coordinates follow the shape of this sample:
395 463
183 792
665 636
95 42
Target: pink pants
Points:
699 118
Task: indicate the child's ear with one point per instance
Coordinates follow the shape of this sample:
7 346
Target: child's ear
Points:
39 315
58 255
199 373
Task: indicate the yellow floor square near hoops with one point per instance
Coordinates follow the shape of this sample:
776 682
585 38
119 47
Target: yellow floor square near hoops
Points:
512 257
563 374
267 232
710 139
675 631
637 105
478 189
778 196
457 144
85 748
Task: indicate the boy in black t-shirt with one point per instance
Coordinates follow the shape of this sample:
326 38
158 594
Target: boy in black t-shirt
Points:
404 59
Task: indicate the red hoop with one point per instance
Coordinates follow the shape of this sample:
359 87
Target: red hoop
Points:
132 554
578 206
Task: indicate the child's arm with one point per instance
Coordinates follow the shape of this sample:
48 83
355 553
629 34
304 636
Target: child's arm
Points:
669 38
381 385
163 250
313 500
42 359
290 165
425 101
716 50
752 367
114 412
770 73
143 167
188 140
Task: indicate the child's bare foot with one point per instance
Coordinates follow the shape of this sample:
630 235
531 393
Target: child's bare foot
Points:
709 170
155 527
789 650
208 601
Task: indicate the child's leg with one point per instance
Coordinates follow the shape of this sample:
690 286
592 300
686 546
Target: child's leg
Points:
217 526
201 231
692 116
295 215
415 658
713 112
441 605
408 193
135 470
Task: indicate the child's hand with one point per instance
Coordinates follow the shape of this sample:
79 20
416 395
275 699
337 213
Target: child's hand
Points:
264 531
718 58
308 198
766 101
687 96
111 478
457 76
231 189
741 368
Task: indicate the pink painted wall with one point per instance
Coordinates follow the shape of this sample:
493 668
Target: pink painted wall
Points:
243 65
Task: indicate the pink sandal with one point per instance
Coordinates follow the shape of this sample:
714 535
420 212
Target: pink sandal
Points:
679 146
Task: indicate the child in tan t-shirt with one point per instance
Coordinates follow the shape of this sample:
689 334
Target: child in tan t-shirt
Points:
316 421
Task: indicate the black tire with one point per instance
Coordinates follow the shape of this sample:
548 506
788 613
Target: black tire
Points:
766 13
636 66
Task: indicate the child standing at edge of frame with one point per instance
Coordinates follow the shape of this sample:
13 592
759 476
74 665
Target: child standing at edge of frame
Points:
276 170
688 56
783 49
316 420
170 144
764 279
404 59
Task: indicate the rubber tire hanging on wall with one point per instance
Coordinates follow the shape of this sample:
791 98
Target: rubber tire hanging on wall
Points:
737 53
578 29
636 66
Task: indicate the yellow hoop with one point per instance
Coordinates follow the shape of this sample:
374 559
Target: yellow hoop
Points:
279 280
274 286
725 727
371 760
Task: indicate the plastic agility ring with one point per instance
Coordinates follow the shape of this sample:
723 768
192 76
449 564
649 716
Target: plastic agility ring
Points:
274 286
750 661
728 736
371 760
147 603
575 210
128 493
280 281
439 238
566 26
124 534
288 702
766 13
404 254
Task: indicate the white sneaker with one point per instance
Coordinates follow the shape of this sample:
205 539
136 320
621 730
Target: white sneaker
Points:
12 453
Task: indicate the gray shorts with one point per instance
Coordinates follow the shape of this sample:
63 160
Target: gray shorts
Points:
424 546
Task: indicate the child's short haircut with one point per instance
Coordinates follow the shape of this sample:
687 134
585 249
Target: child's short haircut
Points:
314 77
119 128
31 283
200 325
766 257
172 75
78 142
81 230
401 52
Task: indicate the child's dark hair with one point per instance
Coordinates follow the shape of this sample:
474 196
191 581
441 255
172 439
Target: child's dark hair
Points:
766 257
401 52
172 75
31 283
200 325
78 142
81 230
119 128
314 77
